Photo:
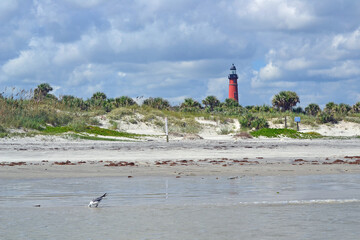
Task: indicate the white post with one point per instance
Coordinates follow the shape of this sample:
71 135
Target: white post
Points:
166 129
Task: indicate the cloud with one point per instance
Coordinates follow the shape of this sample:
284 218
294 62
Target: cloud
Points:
349 41
346 69
184 48
276 14
29 62
217 87
297 64
269 72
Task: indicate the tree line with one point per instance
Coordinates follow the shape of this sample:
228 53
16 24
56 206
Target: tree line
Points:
283 102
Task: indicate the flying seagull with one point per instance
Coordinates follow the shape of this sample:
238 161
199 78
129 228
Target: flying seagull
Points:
95 202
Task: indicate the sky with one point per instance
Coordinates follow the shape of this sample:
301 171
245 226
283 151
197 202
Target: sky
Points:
177 49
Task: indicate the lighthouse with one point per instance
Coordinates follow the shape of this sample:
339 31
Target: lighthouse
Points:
233 88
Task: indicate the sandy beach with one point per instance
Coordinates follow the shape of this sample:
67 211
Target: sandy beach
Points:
50 157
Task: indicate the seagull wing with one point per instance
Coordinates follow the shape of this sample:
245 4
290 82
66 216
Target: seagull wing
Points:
99 198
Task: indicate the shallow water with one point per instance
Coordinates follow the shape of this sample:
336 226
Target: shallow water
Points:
302 207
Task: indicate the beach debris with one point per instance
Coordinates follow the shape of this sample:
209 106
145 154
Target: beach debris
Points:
11 164
64 163
351 157
299 160
232 178
95 202
119 164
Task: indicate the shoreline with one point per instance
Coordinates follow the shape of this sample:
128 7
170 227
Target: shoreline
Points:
33 158
90 171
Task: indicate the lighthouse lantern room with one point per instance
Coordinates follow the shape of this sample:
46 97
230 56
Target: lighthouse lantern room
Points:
233 88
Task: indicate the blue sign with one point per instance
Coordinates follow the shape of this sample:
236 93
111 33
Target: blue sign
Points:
297 119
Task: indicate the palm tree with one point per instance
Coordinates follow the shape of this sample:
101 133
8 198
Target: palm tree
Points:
124 101
158 103
42 91
331 107
285 100
356 107
211 102
189 102
230 103
344 108
312 109
98 99
98 96
190 105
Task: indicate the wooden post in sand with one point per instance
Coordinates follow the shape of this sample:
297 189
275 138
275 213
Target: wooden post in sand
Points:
166 130
297 120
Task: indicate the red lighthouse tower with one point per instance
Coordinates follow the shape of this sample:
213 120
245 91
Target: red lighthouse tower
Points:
233 88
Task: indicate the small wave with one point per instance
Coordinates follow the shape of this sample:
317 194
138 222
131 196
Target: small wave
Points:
303 202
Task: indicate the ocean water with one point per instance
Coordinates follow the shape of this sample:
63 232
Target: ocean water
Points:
193 207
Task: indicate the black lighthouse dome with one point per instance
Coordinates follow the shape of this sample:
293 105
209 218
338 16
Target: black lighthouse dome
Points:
233 74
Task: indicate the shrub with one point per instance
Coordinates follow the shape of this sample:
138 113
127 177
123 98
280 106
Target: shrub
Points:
259 123
2 129
245 121
119 113
225 130
298 110
78 126
326 117
251 121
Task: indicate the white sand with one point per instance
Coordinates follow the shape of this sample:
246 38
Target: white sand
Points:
202 157
214 154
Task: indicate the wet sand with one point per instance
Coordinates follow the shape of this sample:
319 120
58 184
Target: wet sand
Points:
56 158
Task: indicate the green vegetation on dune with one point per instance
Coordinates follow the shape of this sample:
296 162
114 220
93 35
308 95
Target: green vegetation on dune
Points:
85 137
290 133
90 130
39 112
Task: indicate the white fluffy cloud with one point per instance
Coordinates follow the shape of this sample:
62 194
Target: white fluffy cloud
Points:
277 14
